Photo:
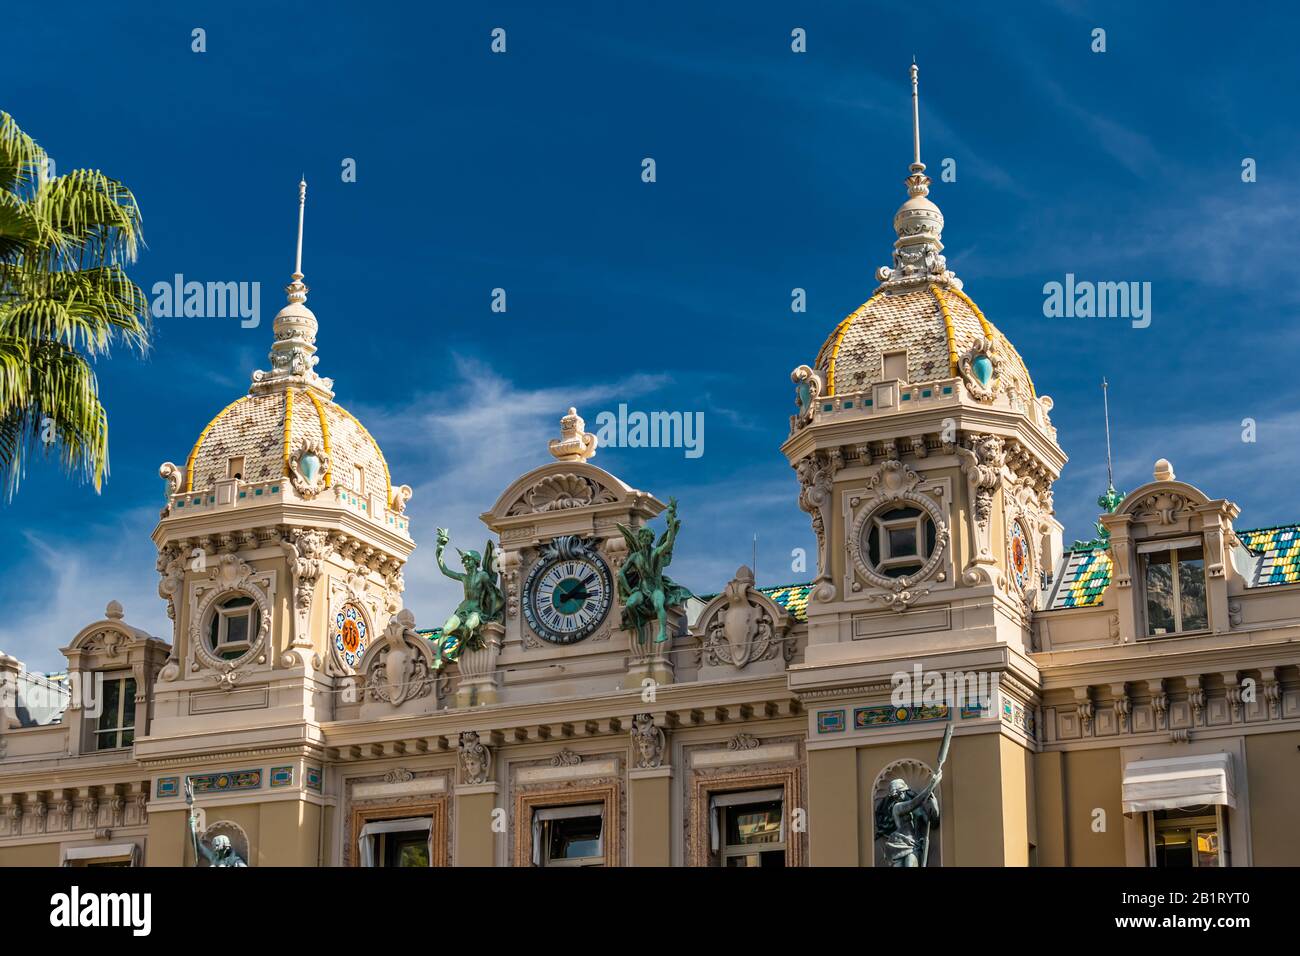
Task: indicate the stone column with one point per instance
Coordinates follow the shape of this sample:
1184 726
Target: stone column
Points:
650 830
833 808
476 825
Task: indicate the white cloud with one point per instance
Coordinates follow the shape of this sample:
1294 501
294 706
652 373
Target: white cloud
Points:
68 581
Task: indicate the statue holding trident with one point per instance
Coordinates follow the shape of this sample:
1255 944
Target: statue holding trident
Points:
221 853
646 592
905 818
483 601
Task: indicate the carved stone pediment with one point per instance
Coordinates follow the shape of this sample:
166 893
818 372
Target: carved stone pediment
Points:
743 625
400 666
561 488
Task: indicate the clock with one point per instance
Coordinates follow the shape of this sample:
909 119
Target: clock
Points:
568 592
1019 550
350 634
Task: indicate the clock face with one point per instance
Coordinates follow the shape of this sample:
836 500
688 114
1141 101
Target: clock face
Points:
1020 566
350 634
566 599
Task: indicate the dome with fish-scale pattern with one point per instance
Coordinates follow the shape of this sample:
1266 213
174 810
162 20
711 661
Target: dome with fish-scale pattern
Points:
930 326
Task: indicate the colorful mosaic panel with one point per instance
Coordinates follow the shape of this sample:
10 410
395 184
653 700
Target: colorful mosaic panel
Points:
793 597
1018 716
226 781
867 718
167 787
281 777
830 721
1278 550
312 779
1086 575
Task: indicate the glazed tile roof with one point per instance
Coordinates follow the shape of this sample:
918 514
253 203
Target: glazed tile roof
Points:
1274 559
934 326
1278 551
1082 580
792 597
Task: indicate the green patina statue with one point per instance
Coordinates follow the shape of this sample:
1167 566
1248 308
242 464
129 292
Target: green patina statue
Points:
221 853
905 818
483 601
646 592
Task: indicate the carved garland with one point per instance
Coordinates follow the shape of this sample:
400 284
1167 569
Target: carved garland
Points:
231 578
896 484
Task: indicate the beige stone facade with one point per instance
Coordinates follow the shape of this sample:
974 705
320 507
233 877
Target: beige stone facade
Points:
1135 704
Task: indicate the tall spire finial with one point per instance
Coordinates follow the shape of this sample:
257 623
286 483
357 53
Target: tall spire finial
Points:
918 183
918 223
293 353
296 289
917 165
1105 404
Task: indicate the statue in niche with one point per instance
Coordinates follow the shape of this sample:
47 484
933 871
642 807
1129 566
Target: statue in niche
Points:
645 590
904 818
221 852
483 603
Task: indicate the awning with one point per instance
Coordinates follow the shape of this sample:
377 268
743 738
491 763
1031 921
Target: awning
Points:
1188 781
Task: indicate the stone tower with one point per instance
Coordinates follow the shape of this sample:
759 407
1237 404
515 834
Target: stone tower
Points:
925 459
280 550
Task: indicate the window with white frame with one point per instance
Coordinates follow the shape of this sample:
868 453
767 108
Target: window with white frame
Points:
233 627
899 540
397 844
115 725
569 836
747 827
1173 583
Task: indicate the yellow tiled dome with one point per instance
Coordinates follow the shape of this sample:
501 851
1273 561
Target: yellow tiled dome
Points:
265 428
932 324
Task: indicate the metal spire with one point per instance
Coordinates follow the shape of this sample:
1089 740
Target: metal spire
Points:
1105 403
297 290
917 165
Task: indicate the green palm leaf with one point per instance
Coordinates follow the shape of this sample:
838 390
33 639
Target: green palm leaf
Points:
65 298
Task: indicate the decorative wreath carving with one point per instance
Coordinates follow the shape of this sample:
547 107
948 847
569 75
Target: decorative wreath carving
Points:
231 577
893 485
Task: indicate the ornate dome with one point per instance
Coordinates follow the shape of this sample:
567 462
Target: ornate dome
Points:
935 325
288 426
266 429
919 322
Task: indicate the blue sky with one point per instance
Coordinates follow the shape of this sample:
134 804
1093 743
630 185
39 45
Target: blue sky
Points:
775 170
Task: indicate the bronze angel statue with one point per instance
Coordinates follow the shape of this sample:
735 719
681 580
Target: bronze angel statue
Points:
646 592
483 601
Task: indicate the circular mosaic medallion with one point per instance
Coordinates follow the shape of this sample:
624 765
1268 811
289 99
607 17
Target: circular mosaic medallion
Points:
1020 566
350 633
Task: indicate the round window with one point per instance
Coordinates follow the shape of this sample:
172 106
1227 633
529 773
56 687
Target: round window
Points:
898 540
233 627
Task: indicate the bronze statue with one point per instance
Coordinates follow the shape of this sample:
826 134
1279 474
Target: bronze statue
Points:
904 818
221 853
483 601
646 592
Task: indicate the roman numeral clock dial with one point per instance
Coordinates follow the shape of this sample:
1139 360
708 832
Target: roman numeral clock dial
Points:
567 594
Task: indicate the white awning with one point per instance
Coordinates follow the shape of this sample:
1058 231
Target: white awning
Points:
103 851
366 839
1187 781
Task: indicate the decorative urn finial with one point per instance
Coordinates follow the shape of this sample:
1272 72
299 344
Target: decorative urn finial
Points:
574 443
